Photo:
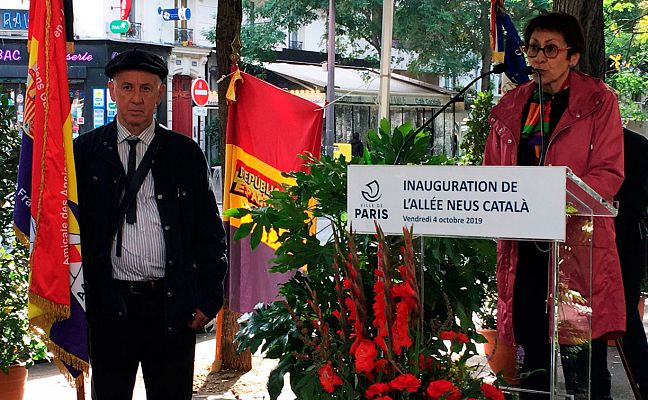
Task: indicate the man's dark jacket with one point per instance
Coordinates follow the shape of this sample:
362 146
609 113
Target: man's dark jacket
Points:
196 260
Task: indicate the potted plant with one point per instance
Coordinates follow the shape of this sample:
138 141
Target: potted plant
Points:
18 346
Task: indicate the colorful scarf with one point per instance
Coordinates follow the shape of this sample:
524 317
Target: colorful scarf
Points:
531 130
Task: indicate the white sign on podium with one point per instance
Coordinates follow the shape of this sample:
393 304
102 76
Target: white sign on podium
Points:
496 202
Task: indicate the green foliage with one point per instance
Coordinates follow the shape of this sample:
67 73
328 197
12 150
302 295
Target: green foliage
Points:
9 150
630 86
258 39
454 268
452 45
473 142
626 46
17 344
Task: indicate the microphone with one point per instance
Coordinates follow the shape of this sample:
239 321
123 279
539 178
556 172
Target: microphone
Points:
497 69
529 70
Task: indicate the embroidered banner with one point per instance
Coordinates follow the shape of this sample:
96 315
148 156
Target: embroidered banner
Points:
267 128
46 212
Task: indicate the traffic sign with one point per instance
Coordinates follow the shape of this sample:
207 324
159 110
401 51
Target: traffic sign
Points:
200 111
200 91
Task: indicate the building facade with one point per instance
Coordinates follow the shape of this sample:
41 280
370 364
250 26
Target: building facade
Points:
169 28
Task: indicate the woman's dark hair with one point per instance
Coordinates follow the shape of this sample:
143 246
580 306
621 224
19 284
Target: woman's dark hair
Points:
565 24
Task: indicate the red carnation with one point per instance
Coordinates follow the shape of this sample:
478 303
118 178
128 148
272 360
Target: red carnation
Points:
492 392
384 398
381 365
376 389
328 378
462 338
406 382
365 354
437 389
448 335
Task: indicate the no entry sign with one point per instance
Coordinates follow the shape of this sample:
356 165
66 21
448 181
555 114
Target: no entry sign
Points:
200 91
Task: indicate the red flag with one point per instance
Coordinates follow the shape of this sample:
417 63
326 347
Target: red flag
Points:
124 9
267 128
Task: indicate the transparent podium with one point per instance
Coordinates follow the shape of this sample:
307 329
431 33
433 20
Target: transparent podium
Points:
547 206
570 295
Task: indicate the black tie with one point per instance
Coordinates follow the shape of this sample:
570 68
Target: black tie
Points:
131 212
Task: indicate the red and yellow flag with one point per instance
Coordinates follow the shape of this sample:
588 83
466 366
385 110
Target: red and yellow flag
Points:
47 181
267 128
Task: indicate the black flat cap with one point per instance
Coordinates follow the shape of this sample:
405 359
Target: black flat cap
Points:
139 60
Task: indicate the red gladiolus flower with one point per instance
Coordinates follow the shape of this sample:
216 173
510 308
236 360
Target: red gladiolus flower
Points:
491 392
400 328
328 378
380 319
406 382
336 314
352 309
365 354
376 389
403 291
439 388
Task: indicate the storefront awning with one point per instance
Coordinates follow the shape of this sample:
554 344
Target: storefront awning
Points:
356 85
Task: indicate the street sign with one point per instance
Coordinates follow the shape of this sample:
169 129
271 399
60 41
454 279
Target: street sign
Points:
119 26
200 111
200 91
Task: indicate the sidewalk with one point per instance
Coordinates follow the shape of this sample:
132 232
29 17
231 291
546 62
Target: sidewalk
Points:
45 381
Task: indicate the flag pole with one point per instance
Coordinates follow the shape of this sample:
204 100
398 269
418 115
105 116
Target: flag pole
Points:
80 391
385 58
330 85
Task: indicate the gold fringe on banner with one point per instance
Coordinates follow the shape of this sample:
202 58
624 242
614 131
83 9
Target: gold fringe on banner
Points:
22 238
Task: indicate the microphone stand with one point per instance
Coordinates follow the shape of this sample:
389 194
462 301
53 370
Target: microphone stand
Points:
498 69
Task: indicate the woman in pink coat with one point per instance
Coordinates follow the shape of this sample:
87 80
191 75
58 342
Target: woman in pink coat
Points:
582 130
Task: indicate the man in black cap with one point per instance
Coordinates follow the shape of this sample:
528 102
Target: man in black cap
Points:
154 251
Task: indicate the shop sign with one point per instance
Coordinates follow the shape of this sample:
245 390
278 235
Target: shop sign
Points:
83 57
10 54
119 26
14 20
98 96
175 14
98 119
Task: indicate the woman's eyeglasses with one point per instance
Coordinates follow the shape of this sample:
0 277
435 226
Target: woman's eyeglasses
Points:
550 50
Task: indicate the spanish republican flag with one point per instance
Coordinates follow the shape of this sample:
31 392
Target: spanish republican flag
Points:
46 215
267 128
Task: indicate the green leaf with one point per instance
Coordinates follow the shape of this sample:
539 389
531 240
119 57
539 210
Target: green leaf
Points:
243 230
276 378
236 212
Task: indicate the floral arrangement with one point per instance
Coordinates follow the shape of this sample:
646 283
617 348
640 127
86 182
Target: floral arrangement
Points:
327 308
376 346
